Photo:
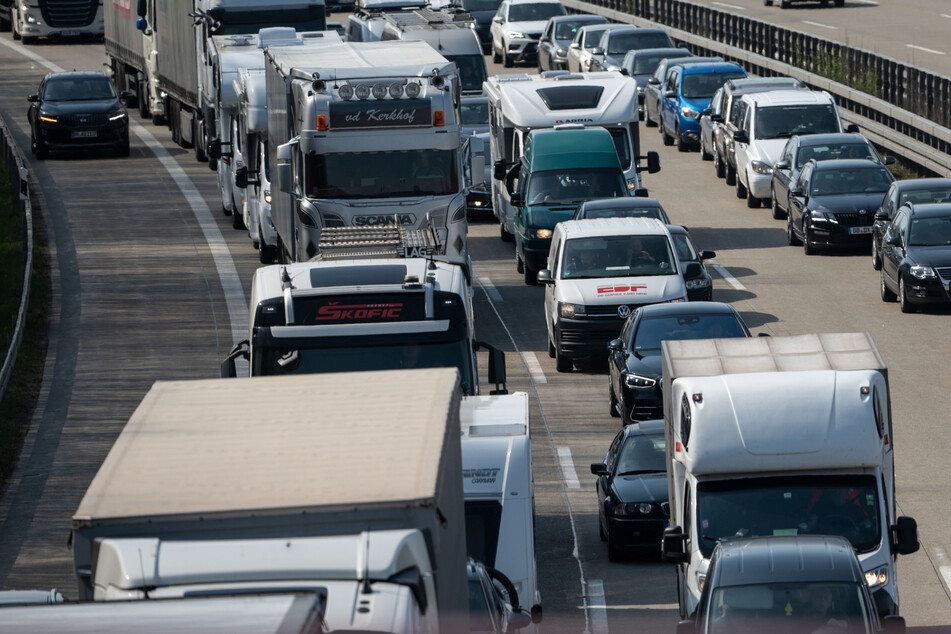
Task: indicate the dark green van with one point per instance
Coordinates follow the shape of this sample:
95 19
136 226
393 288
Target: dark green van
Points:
560 169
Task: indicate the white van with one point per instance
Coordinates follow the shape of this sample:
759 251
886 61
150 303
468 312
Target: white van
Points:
600 270
765 121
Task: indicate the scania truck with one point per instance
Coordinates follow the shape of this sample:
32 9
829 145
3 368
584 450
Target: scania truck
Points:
287 484
32 19
783 435
364 134
519 103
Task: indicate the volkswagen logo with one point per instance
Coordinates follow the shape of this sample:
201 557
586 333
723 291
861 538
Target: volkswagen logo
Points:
623 310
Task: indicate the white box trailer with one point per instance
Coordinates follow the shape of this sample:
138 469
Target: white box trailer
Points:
499 492
349 483
519 103
781 436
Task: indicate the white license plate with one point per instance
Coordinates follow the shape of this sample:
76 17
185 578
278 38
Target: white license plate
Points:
84 134
69 33
859 230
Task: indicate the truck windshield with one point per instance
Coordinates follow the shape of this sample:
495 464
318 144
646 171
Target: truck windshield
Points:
381 174
617 256
250 22
345 357
703 85
789 607
846 505
471 71
572 186
779 122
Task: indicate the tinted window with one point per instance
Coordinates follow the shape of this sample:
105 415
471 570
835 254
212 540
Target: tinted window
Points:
78 89
535 11
475 113
471 70
617 256
621 145
592 37
652 330
830 151
628 212
623 42
575 186
775 122
381 174
917 196
571 97
642 453
567 30
703 85
851 181
647 64
930 232
481 5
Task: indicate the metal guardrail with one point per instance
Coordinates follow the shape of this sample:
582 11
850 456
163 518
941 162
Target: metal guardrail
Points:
909 115
19 177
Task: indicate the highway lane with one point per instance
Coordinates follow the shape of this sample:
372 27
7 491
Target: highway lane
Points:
912 31
121 348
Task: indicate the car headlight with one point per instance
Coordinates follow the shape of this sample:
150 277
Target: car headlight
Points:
818 215
267 196
637 380
920 272
635 508
568 311
116 115
48 119
542 234
760 167
560 52
689 113
516 35
876 577
702 282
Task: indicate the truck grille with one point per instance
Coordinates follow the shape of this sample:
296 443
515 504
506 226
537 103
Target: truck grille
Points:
66 14
606 310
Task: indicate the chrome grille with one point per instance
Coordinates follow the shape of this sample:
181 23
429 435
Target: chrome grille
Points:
944 272
66 14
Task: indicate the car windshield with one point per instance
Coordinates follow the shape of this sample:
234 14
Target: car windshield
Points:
647 64
573 186
623 42
642 453
481 5
861 180
617 256
831 151
930 232
592 37
785 608
703 85
475 113
79 89
632 211
381 174
471 71
567 30
532 11
778 122
652 330
846 506
919 196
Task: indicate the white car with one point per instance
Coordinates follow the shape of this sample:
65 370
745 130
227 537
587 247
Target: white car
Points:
600 270
517 27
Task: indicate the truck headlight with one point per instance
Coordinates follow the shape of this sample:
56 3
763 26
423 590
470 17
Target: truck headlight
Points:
689 113
631 184
920 272
568 311
636 380
760 167
267 196
876 577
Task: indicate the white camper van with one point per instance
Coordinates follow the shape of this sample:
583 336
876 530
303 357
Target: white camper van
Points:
781 436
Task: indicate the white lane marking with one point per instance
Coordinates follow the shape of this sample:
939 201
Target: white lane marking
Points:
599 613
868 2
944 567
732 281
945 15
729 6
534 367
575 551
568 468
925 50
227 273
820 25
490 289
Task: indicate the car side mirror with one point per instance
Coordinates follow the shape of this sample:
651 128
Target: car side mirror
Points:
795 191
653 81
889 160
33 98
599 469
597 50
575 45
519 620
851 128
544 276
893 241
740 136
894 624
640 192
671 94
706 112
684 45
708 255
673 544
905 535
716 118
498 19
781 165
624 72
881 214
615 344
692 271
687 626
515 199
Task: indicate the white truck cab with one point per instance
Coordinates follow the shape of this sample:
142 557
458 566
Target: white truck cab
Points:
599 271
748 455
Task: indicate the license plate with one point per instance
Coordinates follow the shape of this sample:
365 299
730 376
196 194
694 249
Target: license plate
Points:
69 33
859 230
84 134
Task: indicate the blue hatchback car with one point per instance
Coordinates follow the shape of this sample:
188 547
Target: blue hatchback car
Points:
687 92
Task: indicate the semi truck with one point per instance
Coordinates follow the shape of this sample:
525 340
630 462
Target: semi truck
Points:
32 19
519 103
783 435
351 489
361 135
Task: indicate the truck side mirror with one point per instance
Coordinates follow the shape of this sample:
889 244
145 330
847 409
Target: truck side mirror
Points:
214 150
519 620
285 170
672 546
536 613
740 136
599 469
240 174
851 128
496 366
544 276
905 535
640 192
653 163
141 8
227 369
516 199
894 624
692 271
498 170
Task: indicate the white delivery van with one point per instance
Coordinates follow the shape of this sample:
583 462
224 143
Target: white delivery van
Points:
600 270
781 436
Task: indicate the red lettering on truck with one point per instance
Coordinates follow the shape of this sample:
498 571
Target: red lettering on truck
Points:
335 311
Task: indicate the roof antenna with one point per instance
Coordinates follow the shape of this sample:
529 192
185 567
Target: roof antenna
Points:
365 585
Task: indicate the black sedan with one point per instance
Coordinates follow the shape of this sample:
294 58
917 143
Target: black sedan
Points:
913 190
78 110
916 257
633 506
834 202
822 147
625 207
634 362
700 288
